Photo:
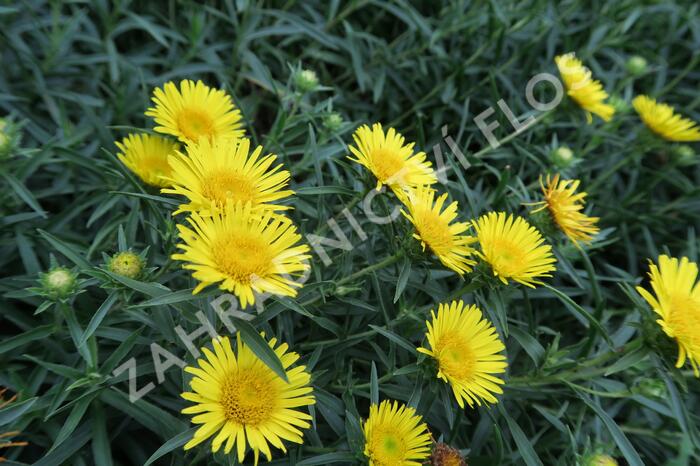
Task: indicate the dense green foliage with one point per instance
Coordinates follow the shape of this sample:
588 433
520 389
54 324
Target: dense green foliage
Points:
588 370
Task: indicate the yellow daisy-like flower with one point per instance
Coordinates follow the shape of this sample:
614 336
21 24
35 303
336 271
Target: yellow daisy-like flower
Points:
195 111
662 120
466 348
676 300
147 156
244 252
214 173
588 93
513 248
565 205
241 401
435 229
395 436
390 160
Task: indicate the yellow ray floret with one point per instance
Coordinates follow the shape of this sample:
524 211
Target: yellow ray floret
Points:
588 93
241 402
390 160
244 252
147 156
662 120
466 348
195 111
435 227
513 248
676 299
395 436
214 173
566 206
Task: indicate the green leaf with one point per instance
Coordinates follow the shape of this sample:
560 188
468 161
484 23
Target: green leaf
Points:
260 347
37 333
328 458
72 421
576 309
174 443
621 440
99 316
402 342
68 251
403 278
525 448
24 194
14 410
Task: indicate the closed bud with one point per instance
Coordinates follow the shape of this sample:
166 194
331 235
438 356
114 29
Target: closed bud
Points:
562 157
636 65
126 263
684 155
58 283
305 81
333 121
9 137
600 460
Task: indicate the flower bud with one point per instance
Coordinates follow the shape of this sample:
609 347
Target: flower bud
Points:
619 104
9 137
305 80
58 283
636 65
126 263
684 155
562 157
600 460
333 122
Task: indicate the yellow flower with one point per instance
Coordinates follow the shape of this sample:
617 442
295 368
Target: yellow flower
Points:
195 111
241 401
588 93
391 162
244 252
676 300
395 436
466 347
435 229
565 206
513 249
601 460
147 156
214 173
662 120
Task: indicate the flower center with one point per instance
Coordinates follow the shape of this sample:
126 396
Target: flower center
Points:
248 397
194 123
435 232
60 279
387 164
456 357
684 320
388 448
223 185
243 257
508 259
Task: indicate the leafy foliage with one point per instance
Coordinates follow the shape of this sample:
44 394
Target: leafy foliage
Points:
588 368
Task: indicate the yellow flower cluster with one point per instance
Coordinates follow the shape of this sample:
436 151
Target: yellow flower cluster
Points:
590 95
237 236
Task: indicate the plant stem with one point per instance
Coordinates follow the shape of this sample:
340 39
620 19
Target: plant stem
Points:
371 268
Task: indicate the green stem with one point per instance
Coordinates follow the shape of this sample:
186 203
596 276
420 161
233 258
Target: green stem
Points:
371 268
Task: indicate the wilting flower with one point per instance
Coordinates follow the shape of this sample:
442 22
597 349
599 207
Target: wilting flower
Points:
565 205
466 348
195 111
676 300
214 173
395 435
244 252
6 437
126 263
390 160
588 93
513 248
147 156
239 400
445 455
435 227
662 120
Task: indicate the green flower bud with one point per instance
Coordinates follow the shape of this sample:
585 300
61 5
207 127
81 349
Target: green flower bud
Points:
333 122
58 283
684 155
619 104
600 460
636 65
126 263
563 157
305 80
9 137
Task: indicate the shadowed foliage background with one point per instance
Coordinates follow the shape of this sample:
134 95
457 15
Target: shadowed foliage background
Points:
588 369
